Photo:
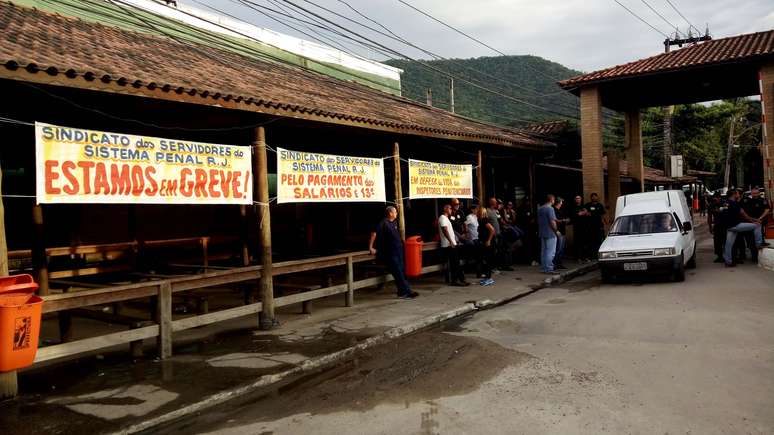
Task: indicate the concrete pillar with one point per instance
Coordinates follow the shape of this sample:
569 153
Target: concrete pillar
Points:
767 147
591 141
633 146
613 180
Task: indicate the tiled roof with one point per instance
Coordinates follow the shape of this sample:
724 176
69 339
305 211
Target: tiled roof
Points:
548 128
651 175
713 52
85 53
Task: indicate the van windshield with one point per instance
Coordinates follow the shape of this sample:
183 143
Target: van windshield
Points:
643 224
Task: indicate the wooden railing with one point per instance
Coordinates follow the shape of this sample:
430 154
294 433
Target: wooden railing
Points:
165 288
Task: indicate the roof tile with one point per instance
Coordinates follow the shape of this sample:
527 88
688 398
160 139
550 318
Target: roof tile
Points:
38 40
716 51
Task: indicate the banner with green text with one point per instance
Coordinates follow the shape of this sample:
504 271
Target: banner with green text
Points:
439 180
87 166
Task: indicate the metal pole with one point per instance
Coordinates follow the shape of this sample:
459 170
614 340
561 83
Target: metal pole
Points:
261 174
451 95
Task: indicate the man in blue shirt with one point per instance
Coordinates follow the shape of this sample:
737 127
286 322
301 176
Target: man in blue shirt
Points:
548 231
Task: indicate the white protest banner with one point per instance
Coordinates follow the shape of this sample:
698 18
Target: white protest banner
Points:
315 177
87 166
439 180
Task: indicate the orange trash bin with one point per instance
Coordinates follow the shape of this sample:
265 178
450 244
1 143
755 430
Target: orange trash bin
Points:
413 256
20 311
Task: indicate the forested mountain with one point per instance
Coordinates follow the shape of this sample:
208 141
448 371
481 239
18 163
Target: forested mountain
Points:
530 79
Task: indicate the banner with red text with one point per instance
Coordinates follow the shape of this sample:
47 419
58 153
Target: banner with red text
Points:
88 166
439 180
315 177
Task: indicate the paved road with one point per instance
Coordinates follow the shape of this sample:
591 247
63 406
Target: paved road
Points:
650 358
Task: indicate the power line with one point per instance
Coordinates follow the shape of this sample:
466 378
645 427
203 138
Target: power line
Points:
437 56
639 18
681 15
669 23
405 3
394 36
483 88
226 61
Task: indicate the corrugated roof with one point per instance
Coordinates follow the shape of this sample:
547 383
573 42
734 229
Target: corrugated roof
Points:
87 53
713 52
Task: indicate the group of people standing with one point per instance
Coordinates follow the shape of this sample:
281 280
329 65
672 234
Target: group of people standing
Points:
588 230
486 237
732 216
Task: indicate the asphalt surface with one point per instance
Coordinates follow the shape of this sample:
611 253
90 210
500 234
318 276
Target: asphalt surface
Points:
584 358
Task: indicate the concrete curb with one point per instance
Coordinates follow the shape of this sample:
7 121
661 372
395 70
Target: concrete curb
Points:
323 361
766 257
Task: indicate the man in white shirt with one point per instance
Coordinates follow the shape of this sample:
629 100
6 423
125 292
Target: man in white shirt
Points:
451 247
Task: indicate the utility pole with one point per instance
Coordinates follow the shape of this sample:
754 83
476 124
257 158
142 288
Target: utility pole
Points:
451 94
729 152
670 110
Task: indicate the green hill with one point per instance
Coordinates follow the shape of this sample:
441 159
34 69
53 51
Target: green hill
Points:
528 78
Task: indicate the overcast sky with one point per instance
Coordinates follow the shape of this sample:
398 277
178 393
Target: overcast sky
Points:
581 34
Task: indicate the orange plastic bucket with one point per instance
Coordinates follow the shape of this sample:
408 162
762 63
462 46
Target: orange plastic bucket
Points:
20 313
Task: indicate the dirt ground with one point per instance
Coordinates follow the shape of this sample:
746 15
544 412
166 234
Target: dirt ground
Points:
421 367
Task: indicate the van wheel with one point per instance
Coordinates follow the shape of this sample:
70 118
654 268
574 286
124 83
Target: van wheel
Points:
692 262
679 274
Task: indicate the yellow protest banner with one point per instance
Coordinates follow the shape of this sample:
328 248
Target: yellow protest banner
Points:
87 166
439 180
315 177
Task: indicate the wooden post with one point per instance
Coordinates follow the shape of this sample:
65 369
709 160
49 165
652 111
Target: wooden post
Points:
350 301
261 175
8 385
39 259
480 179
243 222
398 191
205 251
164 319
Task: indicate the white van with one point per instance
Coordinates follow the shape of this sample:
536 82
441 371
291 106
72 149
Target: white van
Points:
652 233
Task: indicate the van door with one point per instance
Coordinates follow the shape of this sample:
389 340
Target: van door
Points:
687 238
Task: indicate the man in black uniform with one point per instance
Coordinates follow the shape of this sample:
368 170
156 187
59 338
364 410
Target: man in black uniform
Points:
715 225
457 219
596 224
387 245
579 218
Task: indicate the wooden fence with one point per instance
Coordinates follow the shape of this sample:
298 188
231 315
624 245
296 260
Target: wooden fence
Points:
165 326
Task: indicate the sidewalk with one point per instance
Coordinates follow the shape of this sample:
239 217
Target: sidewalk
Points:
106 393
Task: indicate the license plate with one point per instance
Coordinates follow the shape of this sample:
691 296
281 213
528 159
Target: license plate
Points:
636 266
